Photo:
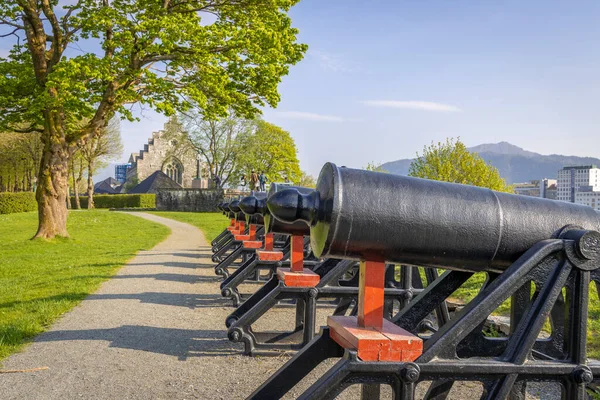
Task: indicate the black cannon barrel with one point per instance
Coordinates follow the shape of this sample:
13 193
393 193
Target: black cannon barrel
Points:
257 205
360 214
253 217
236 212
277 226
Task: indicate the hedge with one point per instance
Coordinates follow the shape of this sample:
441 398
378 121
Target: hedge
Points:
119 201
17 202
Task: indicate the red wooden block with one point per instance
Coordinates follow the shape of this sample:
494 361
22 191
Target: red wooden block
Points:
242 237
364 353
305 278
389 343
252 244
252 232
233 221
297 253
269 255
269 241
241 226
370 293
370 344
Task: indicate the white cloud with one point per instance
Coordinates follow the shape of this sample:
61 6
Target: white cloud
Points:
333 62
307 116
413 105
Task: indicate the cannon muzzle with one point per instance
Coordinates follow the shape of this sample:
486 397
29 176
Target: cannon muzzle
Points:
368 215
257 205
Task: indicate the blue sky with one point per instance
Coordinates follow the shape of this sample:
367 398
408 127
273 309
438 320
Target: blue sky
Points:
384 78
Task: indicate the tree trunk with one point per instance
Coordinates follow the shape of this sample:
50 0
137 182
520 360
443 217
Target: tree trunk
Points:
51 193
90 188
75 187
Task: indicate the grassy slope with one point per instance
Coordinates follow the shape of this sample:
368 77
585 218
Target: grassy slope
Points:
210 223
40 280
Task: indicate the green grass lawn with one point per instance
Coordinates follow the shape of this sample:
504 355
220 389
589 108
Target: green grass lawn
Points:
40 280
210 223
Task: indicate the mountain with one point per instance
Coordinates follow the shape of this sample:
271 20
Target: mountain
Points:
514 163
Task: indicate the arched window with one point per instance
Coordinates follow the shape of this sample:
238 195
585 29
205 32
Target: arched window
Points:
174 170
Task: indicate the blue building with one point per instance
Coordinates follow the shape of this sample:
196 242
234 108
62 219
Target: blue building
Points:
121 172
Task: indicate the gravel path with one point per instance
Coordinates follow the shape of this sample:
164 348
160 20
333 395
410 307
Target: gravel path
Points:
154 331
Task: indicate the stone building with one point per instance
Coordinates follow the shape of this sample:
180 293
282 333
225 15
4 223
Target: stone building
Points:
162 153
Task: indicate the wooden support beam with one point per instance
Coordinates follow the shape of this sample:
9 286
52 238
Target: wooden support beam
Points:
370 293
297 253
269 241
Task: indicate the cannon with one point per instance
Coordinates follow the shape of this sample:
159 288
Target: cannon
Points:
403 219
257 205
540 253
242 236
328 280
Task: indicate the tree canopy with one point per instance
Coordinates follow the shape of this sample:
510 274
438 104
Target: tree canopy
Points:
216 141
217 55
271 149
453 162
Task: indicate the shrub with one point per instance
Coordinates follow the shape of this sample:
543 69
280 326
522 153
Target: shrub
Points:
17 202
119 201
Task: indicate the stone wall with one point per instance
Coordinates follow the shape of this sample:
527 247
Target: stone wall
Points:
198 200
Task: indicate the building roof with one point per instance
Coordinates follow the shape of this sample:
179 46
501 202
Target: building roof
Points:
104 188
158 180
107 186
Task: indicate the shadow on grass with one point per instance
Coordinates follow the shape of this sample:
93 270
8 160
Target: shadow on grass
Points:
180 343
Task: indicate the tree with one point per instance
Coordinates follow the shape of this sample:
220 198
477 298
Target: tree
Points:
217 141
371 166
453 162
77 168
163 54
19 161
103 147
307 180
272 150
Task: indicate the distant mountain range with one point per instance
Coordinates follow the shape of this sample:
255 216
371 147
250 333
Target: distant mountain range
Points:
514 163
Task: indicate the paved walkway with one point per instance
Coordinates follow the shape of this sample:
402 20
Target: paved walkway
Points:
154 331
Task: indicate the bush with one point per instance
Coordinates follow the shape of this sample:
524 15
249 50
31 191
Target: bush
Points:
17 202
119 201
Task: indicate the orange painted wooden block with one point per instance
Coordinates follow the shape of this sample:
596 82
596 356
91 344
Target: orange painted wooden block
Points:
269 255
269 241
388 343
305 278
252 232
297 253
370 293
242 237
252 244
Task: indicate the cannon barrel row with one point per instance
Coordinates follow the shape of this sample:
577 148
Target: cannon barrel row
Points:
257 205
360 214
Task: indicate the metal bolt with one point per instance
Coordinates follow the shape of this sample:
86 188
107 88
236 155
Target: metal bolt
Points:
583 375
589 245
411 373
234 335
